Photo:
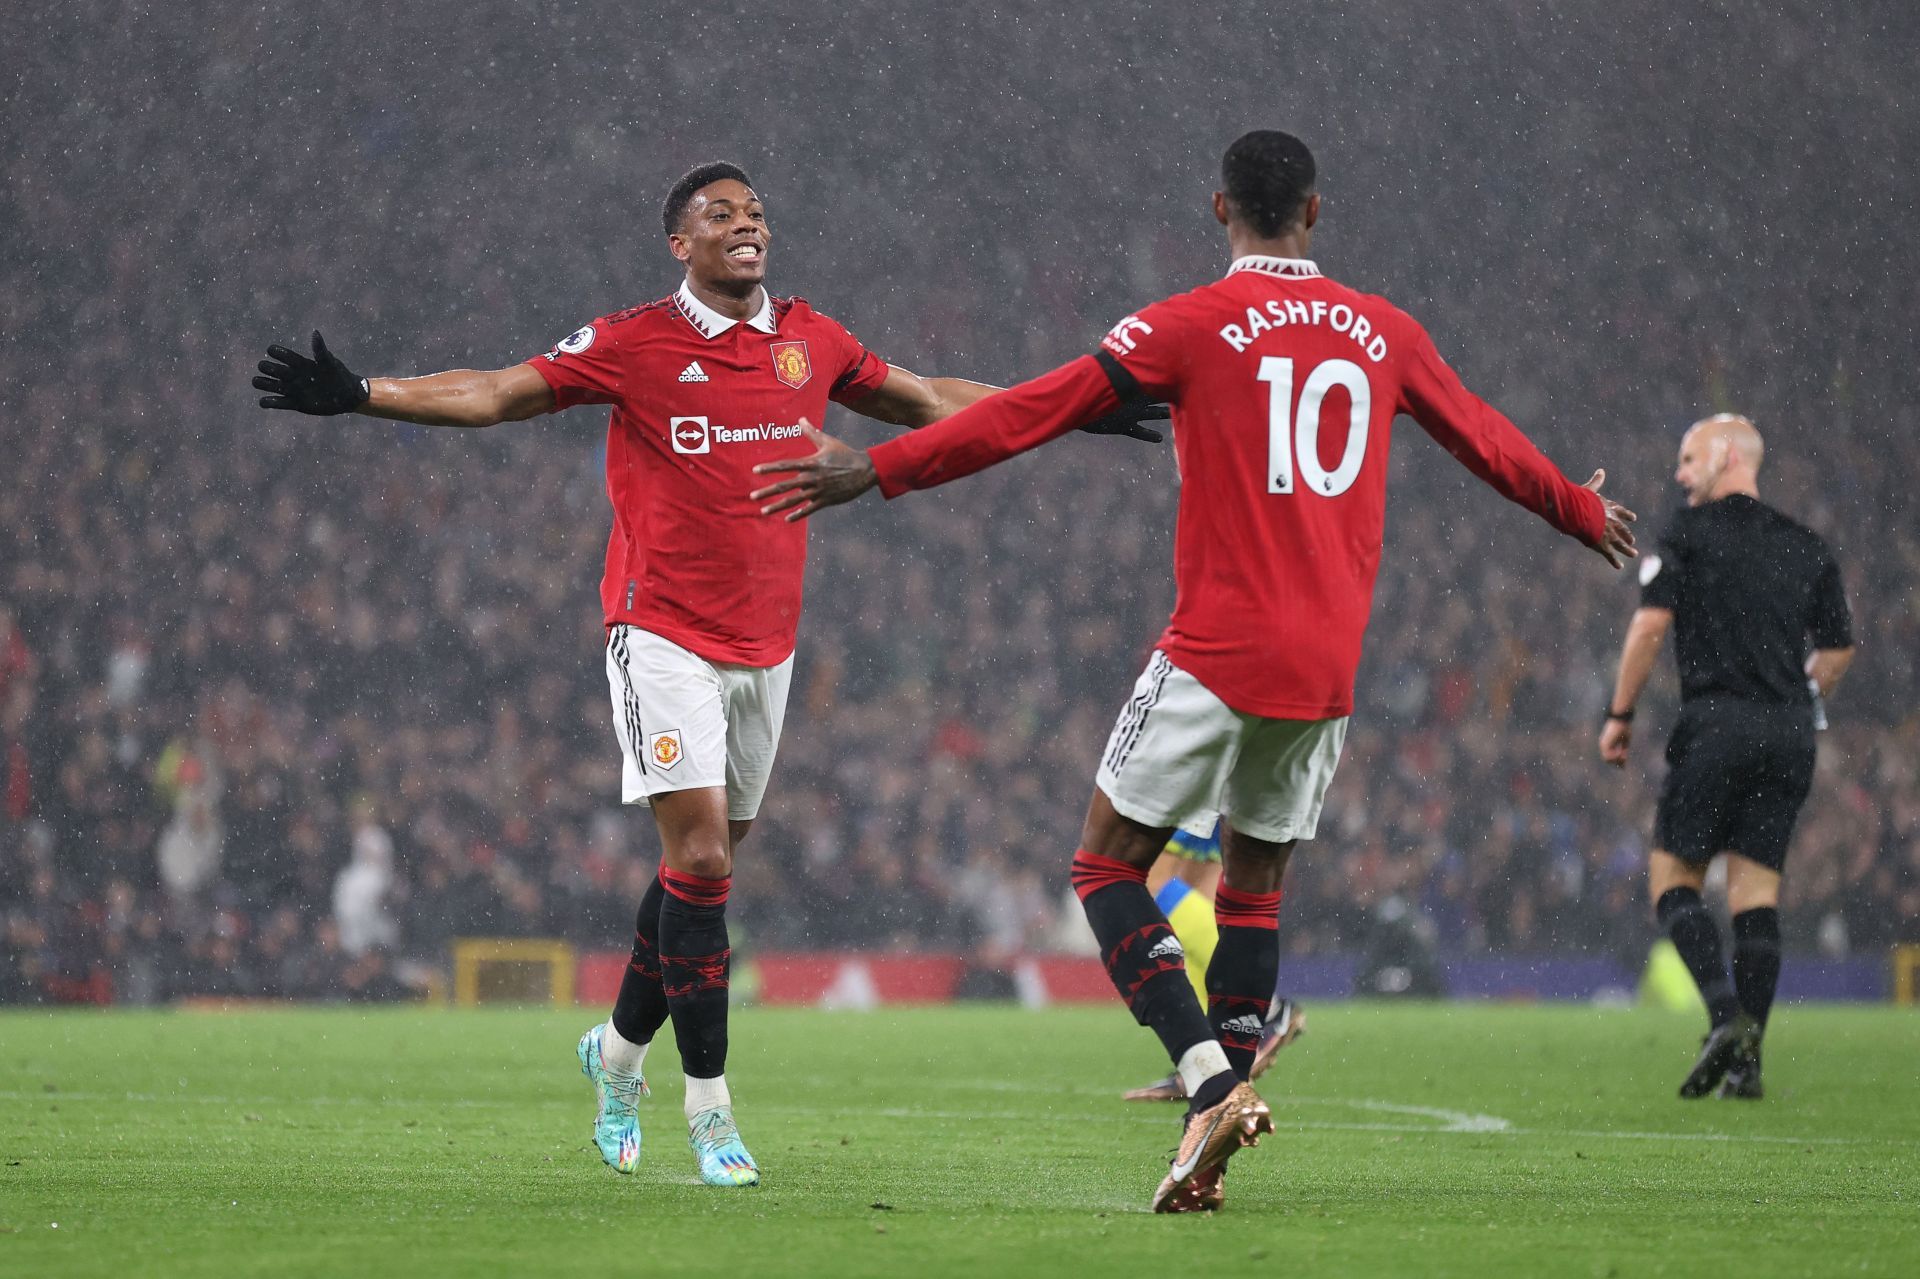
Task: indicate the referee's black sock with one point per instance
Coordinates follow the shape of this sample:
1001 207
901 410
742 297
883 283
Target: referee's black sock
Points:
1684 917
1142 955
696 964
1756 959
640 1009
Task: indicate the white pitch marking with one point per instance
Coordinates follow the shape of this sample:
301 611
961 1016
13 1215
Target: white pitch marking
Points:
1451 1121
1466 1122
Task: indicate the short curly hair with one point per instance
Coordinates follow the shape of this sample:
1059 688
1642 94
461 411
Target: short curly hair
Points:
1268 176
681 193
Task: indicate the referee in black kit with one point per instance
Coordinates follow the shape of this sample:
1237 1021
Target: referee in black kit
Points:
1763 636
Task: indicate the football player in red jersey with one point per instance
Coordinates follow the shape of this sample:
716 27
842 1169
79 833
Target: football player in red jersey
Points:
701 597
1284 386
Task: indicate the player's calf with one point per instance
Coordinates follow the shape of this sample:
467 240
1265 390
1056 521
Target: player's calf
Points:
696 964
1241 977
1143 958
640 1008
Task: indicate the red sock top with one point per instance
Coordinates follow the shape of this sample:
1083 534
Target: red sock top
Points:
1235 909
695 890
1092 872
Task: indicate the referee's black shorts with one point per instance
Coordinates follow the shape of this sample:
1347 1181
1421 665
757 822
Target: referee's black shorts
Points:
1737 773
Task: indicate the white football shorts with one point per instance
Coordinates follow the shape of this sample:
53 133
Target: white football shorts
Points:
1200 824
684 722
1177 751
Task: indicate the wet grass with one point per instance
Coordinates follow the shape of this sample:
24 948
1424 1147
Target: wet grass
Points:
1429 1140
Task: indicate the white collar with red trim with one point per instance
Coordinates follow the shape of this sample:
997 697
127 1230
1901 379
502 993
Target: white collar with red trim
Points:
1287 268
712 324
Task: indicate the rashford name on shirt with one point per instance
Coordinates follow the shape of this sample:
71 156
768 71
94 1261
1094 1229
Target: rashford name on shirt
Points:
1339 317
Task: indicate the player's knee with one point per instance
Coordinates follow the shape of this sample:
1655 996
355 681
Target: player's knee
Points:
1254 865
1255 875
708 859
1665 871
1108 834
1751 884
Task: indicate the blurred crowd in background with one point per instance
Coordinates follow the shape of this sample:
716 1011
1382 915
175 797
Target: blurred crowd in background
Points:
286 704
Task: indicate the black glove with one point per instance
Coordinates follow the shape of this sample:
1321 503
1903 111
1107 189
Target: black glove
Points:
321 386
1126 421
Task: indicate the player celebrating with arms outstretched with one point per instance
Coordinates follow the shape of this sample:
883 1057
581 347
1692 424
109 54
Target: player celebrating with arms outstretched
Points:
1284 385
701 598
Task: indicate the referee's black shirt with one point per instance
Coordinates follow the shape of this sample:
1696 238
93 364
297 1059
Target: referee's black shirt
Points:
1748 589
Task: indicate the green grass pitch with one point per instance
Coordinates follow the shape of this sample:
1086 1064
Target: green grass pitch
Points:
1428 1140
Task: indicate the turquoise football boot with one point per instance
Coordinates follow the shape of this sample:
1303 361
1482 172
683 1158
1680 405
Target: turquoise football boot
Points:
616 1129
723 1160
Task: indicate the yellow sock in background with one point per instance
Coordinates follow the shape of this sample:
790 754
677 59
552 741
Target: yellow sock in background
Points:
1666 984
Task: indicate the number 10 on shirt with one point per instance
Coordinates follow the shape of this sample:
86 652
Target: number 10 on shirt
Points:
1293 433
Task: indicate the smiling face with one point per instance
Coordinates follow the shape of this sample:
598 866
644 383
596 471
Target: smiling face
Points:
723 237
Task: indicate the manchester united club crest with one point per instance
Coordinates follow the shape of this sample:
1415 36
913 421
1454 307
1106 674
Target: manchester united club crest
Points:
666 748
790 363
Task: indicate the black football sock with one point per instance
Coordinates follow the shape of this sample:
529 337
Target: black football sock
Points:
695 965
1245 967
640 1009
1212 1092
1756 959
1142 955
1684 917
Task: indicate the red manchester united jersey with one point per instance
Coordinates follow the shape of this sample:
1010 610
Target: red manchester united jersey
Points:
1284 385
698 399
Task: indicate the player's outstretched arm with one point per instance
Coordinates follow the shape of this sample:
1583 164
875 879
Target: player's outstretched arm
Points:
1497 451
907 399
321 385
993 430
1616 539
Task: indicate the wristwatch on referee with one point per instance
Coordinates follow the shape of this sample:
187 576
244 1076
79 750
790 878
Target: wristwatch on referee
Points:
1625 716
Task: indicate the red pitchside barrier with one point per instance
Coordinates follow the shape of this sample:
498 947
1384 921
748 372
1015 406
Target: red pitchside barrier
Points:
852 979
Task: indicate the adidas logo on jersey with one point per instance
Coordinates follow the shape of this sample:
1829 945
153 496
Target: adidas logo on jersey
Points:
694 373
1167 947
1244 1025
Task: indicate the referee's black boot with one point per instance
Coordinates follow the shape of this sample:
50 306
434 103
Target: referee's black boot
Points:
1718 1052
1743 1076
